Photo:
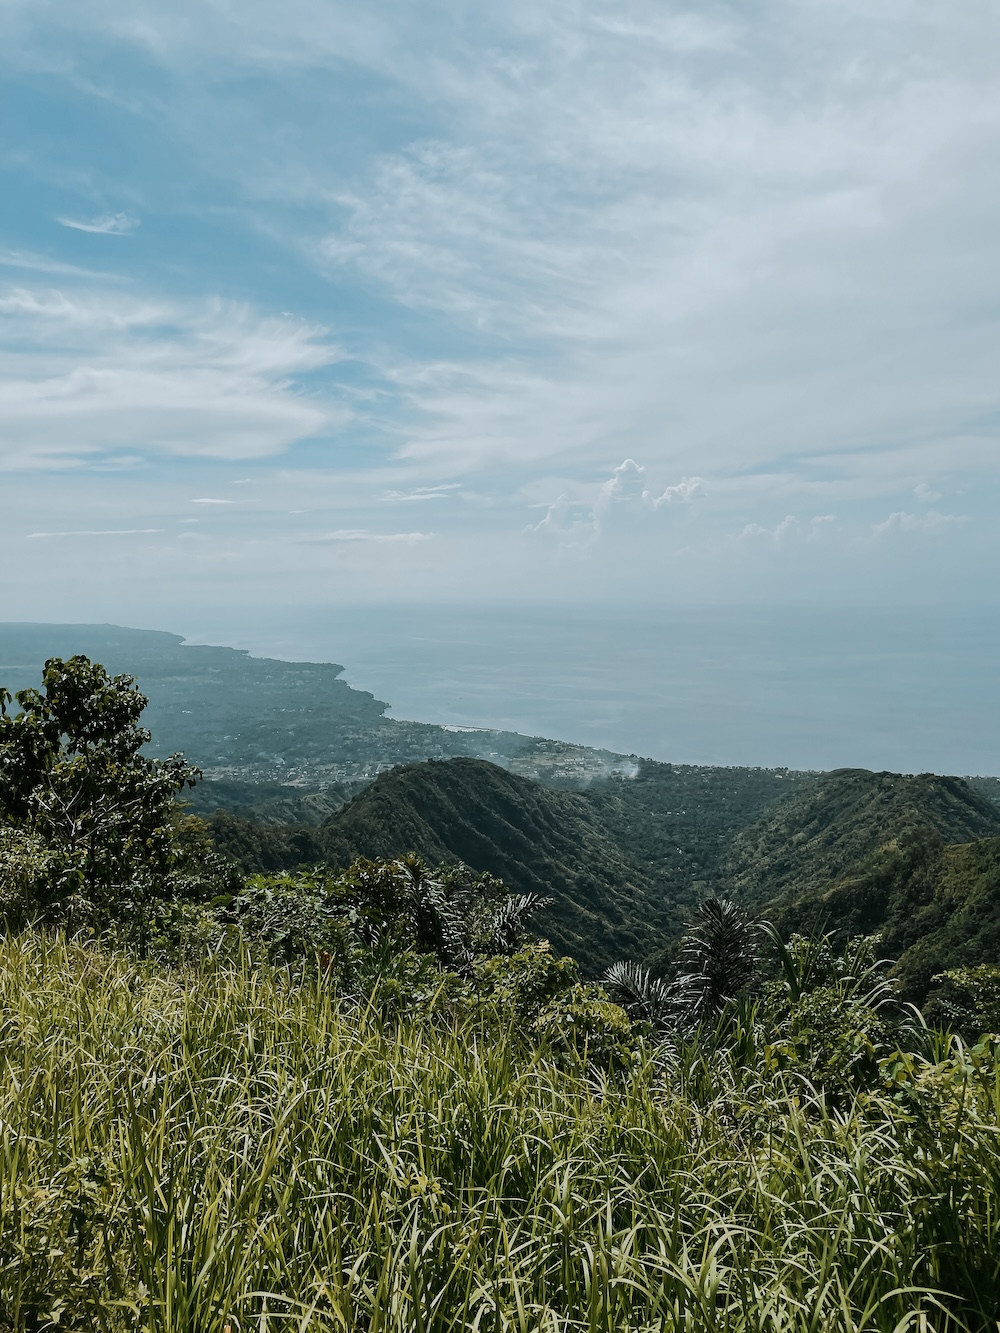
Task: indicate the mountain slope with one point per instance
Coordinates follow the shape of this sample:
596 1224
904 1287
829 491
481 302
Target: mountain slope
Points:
626 859
914 859
832 828
935 907
536 839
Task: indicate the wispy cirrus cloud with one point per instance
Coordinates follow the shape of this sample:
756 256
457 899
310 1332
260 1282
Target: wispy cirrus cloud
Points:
363 535
85 374
754 248
422 493
112 224
105 532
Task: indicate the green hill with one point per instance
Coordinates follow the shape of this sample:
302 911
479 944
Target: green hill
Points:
831 829
936 906
916 859
625 859
536 839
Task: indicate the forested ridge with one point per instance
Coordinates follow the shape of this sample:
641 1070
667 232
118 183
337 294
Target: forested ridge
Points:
628 860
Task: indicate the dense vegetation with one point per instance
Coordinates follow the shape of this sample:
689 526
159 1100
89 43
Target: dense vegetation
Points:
364 1098
625 860
466 811
839 822
915 860
227 1147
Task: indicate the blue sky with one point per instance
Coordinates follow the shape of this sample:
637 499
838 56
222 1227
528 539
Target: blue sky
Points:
553 301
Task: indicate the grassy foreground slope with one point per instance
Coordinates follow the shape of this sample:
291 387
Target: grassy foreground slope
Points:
220 1148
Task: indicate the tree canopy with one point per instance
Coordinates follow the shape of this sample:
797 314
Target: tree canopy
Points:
72 772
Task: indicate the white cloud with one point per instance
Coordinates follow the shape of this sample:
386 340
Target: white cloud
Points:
756 244
568 522
363 535
85 375
107 532
626 491
33 263
931 522
422 493
114 224
686 490
727 221
625 506
790 531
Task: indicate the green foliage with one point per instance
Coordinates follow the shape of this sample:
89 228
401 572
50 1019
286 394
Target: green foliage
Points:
222 1148
833 828
645 998
909 858
29 874
542 995
527 982
72 773
719 956
833 1016
968 999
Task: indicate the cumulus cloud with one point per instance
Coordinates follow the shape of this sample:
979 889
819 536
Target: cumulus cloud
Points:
790 531
624 505
932 522
686 490
626 493
924 492
567 522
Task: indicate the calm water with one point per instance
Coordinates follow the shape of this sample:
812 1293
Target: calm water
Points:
904 689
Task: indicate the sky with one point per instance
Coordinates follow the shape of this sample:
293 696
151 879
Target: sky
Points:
550 302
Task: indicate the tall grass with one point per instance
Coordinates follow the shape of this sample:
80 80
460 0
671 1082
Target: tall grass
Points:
224 1149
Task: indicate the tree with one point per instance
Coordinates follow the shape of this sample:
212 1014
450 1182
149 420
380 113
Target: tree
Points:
645 998
719 957
72 772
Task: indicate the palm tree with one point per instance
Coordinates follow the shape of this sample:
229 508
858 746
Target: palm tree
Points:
456 915
506 926
645 998
719 957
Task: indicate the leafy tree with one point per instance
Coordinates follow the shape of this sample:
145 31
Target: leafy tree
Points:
72 773
969 999
544 995
834 1015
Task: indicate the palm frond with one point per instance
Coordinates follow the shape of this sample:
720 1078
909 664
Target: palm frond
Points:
644 998
507 927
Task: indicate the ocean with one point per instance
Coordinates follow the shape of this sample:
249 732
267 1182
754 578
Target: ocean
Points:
910 689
